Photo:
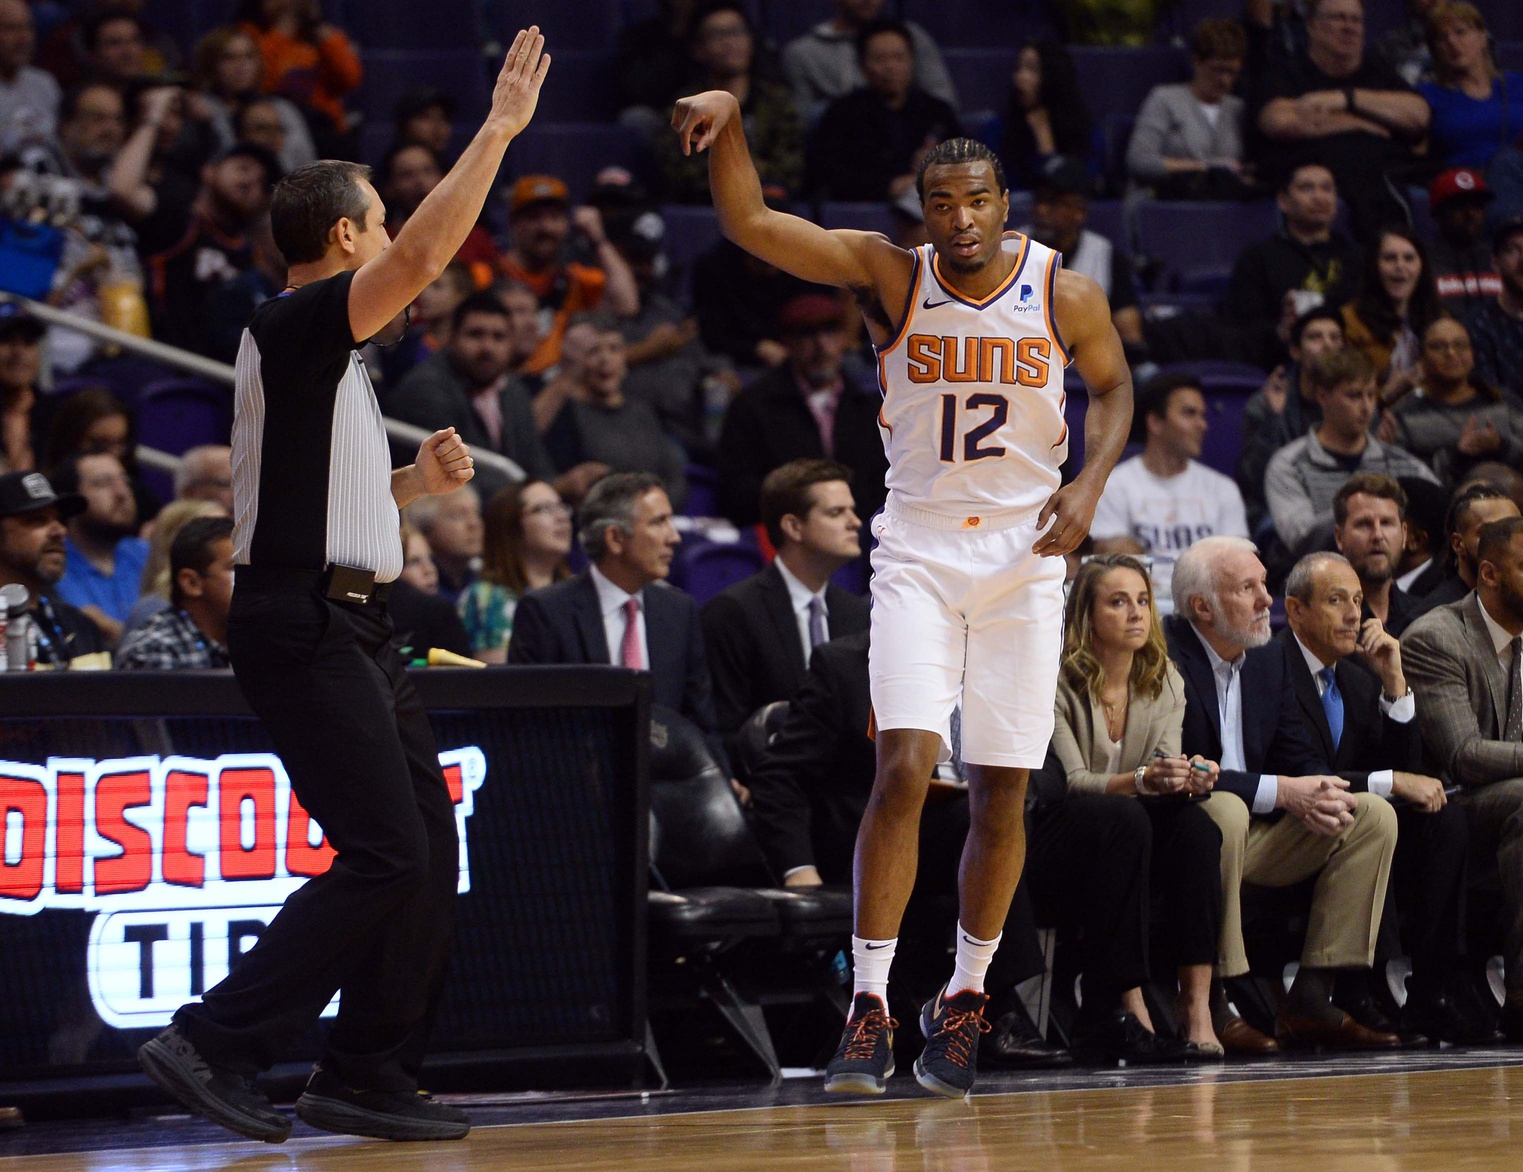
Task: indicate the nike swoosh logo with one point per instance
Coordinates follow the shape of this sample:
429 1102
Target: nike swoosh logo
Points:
875 947
928 304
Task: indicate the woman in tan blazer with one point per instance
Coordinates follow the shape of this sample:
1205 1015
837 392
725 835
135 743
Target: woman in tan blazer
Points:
1120 706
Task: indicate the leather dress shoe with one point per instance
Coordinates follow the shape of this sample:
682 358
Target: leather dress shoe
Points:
1512 1024
1121 1037
10 1117
1014 1044
1293 1031
1441 1017
1366 1011
1243 1041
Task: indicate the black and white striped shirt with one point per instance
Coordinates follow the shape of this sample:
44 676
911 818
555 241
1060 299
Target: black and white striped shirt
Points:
311 465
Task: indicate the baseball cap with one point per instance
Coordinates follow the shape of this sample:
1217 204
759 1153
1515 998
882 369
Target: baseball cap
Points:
27 492
532 189
1455 182
16 322
809 311
1506 230
1065 176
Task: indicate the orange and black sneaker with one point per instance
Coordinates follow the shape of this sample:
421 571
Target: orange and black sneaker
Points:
864 1061
951 1026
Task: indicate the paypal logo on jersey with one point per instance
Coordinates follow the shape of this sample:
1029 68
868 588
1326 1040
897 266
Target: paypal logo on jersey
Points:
1027 302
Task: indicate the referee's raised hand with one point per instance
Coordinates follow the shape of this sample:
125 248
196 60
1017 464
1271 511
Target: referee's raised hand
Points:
516 93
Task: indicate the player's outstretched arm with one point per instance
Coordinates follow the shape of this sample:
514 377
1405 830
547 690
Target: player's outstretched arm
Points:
849 260
390 282
1083 318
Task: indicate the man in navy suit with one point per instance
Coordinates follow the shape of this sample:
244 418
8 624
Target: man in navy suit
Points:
1353 695
1241 710
619 610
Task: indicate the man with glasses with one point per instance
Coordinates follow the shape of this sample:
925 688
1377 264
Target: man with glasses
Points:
1496 328
1351 108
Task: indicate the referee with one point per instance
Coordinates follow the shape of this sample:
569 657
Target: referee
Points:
317 546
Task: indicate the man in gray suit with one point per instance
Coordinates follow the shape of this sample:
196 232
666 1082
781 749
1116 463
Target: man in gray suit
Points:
1465 663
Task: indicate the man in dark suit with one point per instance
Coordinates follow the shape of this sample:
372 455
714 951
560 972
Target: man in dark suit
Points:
809 406
1466 665
760 632
1369 529
619 610
1270 767
1473 506
1348 681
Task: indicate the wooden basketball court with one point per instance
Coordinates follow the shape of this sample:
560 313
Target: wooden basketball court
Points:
1437 1119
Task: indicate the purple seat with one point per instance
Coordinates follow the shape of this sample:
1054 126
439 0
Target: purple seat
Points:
1228 386
177 414
1115 135
1117 80
573 151
691 230
703 491
1197 243
703 568
1109 218
586 24
387 24
390 73
982 76
1510 55
580 87
976 23
783 20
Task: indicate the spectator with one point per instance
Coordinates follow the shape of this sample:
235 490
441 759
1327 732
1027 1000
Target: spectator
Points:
408 173
29 96
1397 301
468 386
737 298
761 632
1477 110
105 564
191 633
1474 507
425 117
1347 675
1305 475
154 589
618 611
1425 554
1306 264
204 283
1458 421
418 569
1188 141
1163 500
869 143
540 222
307 60
154 178
723 48
33 541
1496 328
65 53
206 474
1463 661
652 64
1405 47
528 535
114 49
428 330
1269 765
20 361
1058 217
592 422
1460 256
452 526
258 122
1286 407
809 408
1120 709
1369 529
229 72
92 420
524 315
1350 106
1045 114
422 619
822 64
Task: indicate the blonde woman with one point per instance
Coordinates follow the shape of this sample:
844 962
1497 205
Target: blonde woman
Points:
1120 710
154 595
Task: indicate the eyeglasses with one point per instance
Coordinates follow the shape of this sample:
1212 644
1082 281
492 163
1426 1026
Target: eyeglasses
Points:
550 508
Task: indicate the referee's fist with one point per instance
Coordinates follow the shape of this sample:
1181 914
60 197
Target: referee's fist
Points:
444 462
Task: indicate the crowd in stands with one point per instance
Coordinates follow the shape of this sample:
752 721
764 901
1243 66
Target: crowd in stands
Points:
1368 511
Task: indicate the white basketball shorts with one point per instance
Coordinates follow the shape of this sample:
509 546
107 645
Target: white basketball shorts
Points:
964 612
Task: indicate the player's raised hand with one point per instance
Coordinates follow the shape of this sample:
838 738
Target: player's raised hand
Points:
516 93
699 119
1071 510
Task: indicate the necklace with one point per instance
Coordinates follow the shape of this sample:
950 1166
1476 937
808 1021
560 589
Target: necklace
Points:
1112 719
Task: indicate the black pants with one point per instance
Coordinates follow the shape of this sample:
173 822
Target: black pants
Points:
1427 892
355 740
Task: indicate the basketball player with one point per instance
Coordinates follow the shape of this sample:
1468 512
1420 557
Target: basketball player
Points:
972 332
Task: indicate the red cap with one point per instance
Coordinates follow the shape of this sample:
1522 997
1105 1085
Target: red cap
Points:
810 311
1458 181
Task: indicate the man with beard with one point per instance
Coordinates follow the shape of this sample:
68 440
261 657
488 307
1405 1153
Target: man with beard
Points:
104 572
1271 768
203 286
1472 508
1369 528
1496 328
32 554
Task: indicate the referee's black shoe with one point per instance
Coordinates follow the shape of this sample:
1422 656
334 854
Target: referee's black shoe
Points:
328 1105
216 1092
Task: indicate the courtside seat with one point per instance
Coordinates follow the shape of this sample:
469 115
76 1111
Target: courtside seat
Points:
713 916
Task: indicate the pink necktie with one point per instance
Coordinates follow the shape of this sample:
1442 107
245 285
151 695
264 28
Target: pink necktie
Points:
630 654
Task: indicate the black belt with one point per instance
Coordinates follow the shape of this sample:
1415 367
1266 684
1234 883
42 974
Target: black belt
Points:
346 584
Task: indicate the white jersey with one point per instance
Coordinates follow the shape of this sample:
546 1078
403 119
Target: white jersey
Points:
972 418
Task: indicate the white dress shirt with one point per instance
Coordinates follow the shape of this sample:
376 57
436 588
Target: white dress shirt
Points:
800 596
1500 639
1229 705
611 600
1401 710
1412 575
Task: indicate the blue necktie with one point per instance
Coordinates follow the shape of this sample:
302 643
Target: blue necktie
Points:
1332 705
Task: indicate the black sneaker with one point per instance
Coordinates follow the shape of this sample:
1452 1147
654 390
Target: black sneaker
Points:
219 1094
329 1105
951 1026
864 1061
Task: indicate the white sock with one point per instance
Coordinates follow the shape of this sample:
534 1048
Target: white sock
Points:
870 961
973 957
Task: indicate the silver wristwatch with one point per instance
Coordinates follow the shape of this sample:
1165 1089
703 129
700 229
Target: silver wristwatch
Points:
1137 776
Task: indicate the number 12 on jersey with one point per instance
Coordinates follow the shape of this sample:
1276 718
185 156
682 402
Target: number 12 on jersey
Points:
973 439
